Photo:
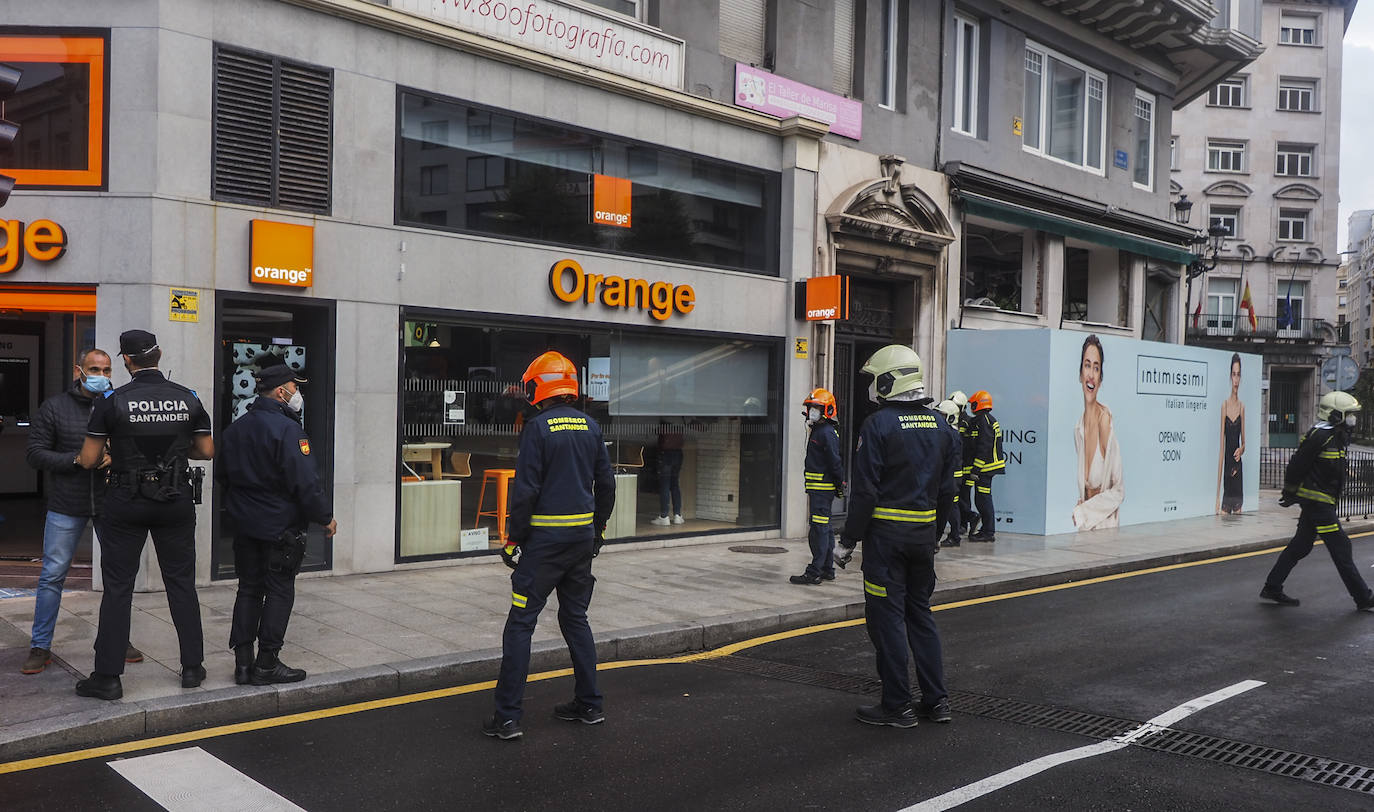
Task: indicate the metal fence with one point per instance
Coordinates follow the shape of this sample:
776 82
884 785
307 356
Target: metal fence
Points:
1358 497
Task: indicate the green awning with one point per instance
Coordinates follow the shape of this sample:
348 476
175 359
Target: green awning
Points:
1099 235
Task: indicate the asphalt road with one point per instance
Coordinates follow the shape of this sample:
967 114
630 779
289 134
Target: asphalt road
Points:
772 727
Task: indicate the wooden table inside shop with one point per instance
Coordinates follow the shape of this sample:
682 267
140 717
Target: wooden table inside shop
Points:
431 454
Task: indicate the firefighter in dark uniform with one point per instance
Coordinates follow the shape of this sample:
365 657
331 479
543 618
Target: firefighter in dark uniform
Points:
152 426
824 477
985 435
1314 479
902 477
560 501
968 515
274 491
954 518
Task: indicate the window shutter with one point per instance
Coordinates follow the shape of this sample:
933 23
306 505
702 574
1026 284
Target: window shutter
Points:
742 29
844 47
303 149
242 128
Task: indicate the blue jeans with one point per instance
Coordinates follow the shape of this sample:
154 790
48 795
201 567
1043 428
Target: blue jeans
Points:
669 483
60 536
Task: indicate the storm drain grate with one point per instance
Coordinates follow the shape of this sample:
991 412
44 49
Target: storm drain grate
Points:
757 549
1316 769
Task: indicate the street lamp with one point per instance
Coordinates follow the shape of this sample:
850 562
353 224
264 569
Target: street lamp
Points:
1211 239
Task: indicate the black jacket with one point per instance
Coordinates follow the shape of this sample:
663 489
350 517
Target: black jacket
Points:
823 467
1316 471
274 483
564 489
903 472
55 437
985 433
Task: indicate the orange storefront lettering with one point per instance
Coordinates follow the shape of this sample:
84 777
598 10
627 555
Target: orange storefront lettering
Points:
42 240
570 283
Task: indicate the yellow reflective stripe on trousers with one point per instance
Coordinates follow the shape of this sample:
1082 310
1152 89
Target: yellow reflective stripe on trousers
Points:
813 474
1328 528
1316 496
819 486
900 515
1331 455
560 519
875 590
819 519
984 489
517 600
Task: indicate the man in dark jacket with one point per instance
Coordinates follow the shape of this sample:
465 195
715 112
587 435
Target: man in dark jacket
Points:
274 493
74 494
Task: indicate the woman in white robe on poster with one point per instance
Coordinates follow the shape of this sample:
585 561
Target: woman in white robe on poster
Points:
1100 489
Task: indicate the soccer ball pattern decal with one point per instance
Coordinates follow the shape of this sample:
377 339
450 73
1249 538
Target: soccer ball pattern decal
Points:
251 358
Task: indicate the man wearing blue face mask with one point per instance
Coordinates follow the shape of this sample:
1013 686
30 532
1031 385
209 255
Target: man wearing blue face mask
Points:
74 494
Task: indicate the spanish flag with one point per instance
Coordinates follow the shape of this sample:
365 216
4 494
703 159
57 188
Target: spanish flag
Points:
1248 305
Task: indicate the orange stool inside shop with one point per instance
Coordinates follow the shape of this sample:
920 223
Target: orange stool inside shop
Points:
501 477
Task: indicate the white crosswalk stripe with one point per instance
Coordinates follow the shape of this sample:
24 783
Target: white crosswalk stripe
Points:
192 780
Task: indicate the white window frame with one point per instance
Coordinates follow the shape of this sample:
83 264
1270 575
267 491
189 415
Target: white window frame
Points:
966 30
1298 296
1222 147
1144 106
1091 77
1173 153
1294 93
637 15
1228 216
1298 29
1289 160
1232 92
1288 219
1220 313
888 100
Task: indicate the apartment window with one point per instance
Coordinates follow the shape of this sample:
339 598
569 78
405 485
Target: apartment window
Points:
1064 109
1226 156
965 75
1221 305
1294 160
843 48
1288 307
1297 95
1144 140
1229 93
1173 152
271 131
888 98
630 8
742 30
1342 301
1297 29
1293 224
1228 217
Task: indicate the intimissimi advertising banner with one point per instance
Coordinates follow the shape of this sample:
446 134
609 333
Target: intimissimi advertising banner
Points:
1102 431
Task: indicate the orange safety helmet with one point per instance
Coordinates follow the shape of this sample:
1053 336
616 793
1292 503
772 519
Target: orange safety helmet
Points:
981 401
550 375
823 400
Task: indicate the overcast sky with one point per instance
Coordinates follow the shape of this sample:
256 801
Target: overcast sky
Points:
1357 117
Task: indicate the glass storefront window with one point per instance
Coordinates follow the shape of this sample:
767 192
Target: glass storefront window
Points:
691 424
472 169
59 106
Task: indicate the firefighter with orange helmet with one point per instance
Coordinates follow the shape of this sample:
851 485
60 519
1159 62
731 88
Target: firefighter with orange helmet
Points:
824 476
985 434
560 501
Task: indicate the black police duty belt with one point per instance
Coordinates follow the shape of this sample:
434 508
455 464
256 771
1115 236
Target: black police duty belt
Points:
157 476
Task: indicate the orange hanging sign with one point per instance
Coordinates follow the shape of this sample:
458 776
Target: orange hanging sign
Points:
611 201
282 254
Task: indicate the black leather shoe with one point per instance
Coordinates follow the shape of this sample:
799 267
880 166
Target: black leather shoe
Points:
243 674
281 672
502 729
100 686
950 542
878 715
192 676
1276 594
1366 604
939 712
983 537
805 580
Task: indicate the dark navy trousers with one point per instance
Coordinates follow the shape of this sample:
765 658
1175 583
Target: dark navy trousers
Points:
899 577
1319 519
820 535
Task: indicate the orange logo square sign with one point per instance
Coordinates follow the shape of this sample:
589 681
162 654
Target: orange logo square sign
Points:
305 447
827 298
611 201
282 254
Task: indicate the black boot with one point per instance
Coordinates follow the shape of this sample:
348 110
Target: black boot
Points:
100 686
243 664
268 670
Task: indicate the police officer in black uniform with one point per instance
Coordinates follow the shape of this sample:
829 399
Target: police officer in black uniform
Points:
274 492
152 426
561 499
903 480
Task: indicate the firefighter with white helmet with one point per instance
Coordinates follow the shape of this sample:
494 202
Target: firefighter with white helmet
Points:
1314 479
903 474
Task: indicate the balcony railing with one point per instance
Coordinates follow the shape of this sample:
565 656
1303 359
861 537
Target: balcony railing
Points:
1238 327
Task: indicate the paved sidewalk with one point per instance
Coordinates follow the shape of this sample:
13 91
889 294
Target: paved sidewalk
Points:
366 636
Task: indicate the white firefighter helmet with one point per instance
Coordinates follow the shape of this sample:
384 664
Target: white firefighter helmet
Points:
950 410
959 399
1334 406
896 370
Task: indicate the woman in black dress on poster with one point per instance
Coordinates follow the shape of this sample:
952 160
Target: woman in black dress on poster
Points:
1230 488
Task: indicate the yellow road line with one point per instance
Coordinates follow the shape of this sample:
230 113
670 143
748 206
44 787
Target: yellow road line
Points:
723 651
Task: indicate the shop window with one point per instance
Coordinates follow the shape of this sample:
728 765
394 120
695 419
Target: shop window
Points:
700 414
272 126
993 268
524 179
60 108
1096 284
1065 110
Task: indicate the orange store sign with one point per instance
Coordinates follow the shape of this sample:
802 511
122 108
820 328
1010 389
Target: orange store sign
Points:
570 283
41 240
611 199
827 298
282 254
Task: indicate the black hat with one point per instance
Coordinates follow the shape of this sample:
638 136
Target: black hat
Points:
276 375
136 342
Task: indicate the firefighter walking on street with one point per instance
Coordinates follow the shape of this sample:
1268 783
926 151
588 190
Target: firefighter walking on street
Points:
1314 479
560 502
824 476
985 435
903 475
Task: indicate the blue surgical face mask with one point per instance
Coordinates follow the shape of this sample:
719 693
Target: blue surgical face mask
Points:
95 383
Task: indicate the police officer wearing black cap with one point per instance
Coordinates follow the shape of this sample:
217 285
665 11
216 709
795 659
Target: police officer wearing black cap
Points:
274 492
152 426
